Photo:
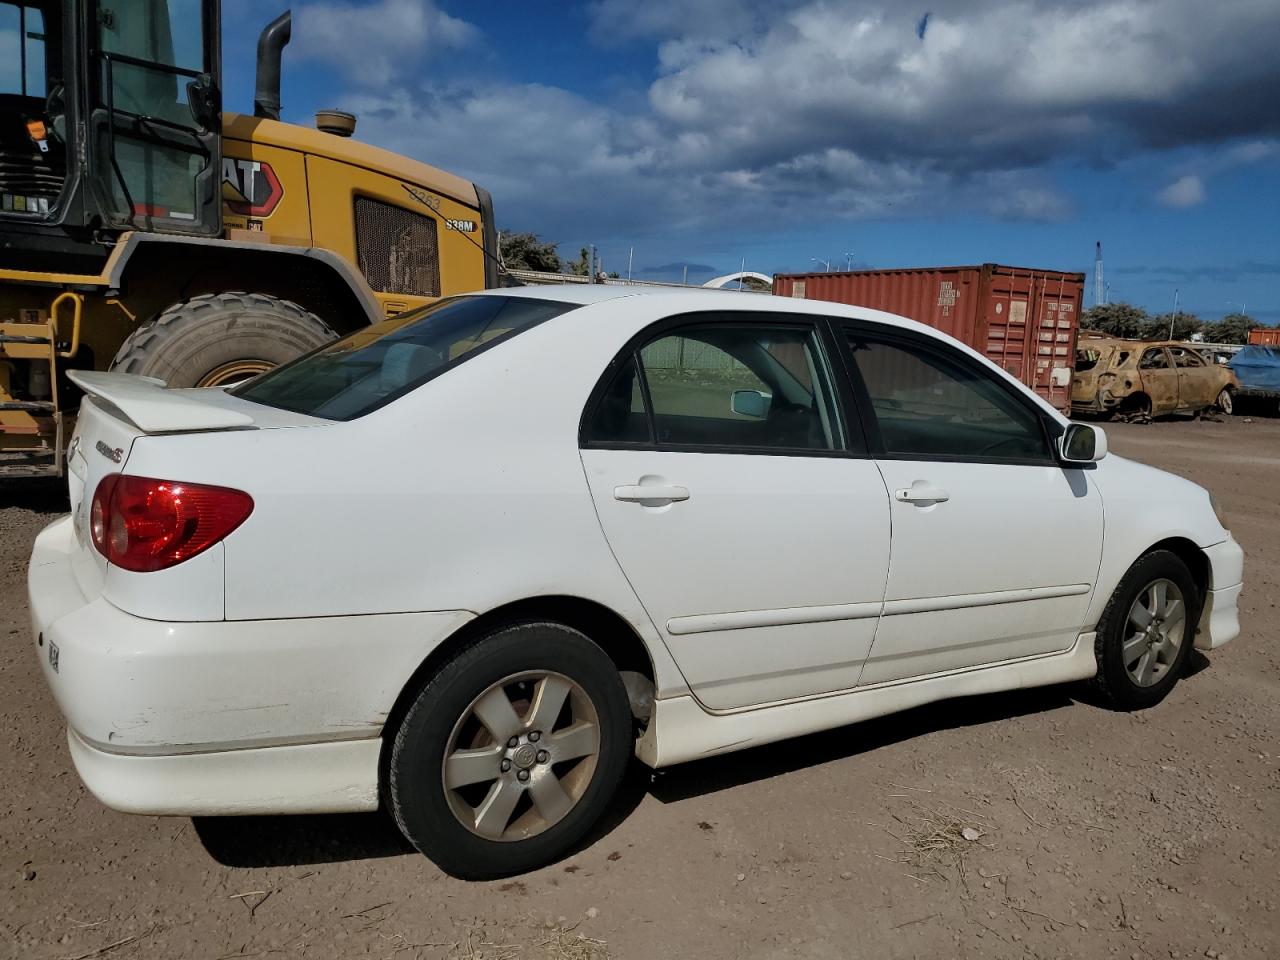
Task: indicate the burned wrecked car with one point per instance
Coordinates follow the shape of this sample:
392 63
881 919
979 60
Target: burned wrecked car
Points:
1137 379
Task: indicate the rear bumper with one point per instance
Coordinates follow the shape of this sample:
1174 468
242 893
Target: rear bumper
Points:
227 716
299 778
1220 621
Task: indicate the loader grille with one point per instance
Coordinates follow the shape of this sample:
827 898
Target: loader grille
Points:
398 249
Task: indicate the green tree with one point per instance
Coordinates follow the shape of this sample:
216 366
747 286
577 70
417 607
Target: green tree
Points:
1233 328
528 251
1183 325
582 266
1122 320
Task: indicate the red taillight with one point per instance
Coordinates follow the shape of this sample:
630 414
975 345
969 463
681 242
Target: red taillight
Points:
143 524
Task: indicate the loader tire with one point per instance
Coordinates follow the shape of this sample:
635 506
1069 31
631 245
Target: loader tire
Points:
220 338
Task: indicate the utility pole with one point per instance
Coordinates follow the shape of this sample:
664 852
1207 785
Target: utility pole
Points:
591 263
630 257
685 281
1174 318
1099 291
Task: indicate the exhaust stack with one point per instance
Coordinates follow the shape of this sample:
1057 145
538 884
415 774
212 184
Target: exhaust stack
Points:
272 40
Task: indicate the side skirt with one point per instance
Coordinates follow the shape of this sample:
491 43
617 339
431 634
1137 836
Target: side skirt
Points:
681 730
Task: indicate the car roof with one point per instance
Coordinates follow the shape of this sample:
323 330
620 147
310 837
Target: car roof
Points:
677 299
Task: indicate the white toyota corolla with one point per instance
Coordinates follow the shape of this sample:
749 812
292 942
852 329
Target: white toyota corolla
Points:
466 561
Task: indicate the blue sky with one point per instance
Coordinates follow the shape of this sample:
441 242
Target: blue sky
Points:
706 133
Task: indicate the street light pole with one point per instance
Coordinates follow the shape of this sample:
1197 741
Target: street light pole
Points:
825 263
1174 318
848 262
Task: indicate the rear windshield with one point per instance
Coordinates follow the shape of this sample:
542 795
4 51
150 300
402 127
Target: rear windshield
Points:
359 373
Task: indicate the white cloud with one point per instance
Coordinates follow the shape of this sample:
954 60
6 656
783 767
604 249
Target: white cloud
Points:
1184 192
1030 203
775 114
372 43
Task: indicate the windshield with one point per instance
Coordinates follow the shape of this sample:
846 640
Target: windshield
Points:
359 373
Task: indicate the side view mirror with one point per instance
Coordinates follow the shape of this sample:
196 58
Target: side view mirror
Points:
750 403
1082 443
204 102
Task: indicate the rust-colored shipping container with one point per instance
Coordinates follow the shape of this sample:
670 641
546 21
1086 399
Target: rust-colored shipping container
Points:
1024 320
1265 336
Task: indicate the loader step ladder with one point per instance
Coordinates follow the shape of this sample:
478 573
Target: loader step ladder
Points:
30 428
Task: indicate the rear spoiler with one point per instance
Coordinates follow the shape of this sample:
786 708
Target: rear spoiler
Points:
153 407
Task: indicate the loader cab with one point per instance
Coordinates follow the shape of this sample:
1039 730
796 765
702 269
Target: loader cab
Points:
110 120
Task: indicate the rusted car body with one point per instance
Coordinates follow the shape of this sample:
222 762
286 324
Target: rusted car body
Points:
1137 379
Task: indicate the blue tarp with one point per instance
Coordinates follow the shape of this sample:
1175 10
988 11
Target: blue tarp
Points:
1257 369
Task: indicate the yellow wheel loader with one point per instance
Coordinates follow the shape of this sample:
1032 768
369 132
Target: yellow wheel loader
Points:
142 229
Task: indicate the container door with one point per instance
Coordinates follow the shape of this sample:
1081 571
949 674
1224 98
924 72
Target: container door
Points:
1055 332
995 547
156 116
753 531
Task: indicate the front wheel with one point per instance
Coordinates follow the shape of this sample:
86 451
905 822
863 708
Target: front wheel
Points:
1146 632
511 752
1226 401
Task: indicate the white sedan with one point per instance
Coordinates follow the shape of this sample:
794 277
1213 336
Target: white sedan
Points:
467 561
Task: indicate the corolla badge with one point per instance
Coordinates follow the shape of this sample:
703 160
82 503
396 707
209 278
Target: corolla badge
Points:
114 454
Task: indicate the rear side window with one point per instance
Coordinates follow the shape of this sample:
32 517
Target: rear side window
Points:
361 372
735 387
1154 360
1186 358
929 406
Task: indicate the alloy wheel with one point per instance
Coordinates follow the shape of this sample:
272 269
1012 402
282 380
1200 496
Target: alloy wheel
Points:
521 756
1155 628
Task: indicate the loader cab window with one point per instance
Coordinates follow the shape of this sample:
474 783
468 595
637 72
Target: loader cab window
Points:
22 46
140 35
32 159
155 117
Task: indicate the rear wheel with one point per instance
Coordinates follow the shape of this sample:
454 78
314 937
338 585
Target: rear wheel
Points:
511 751
1146 632
220 338
1226 401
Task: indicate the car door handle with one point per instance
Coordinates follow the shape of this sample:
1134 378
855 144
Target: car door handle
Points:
922 494
651 493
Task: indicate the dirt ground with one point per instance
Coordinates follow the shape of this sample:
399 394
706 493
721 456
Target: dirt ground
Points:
1098 834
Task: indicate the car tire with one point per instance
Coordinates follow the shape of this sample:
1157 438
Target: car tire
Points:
219 338
1137 666
1226 401
452 784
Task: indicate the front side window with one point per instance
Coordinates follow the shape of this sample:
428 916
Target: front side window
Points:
361 372
732 385
930 406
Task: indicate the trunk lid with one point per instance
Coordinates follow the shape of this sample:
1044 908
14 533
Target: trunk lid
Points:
118 408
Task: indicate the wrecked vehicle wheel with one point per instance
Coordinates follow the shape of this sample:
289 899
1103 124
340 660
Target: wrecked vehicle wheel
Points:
1226 402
